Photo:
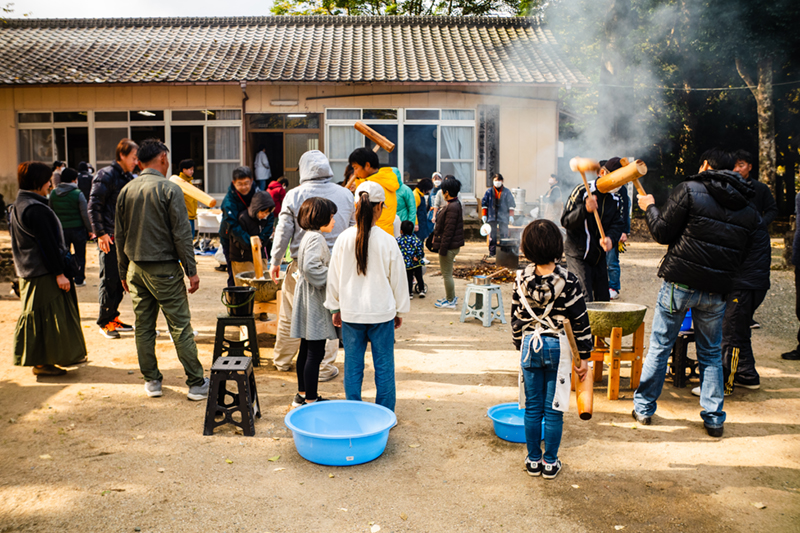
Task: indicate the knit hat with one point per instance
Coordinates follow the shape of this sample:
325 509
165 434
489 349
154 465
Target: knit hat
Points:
612 164
374 191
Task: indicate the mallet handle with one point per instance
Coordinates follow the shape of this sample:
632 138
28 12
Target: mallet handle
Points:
596 214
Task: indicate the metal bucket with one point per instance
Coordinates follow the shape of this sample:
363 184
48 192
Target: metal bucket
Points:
481 280
238 300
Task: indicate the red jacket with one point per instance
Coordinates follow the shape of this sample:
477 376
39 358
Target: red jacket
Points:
277 192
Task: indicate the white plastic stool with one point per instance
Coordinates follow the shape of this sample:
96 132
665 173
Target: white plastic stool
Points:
483 309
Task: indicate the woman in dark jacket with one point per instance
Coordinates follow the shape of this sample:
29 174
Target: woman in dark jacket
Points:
448 238
48 331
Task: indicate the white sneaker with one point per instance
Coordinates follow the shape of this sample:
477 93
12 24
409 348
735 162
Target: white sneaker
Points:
153 388
696 391
613 294
327 376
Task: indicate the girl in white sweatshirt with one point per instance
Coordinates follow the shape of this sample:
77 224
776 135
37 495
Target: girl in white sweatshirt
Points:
367 288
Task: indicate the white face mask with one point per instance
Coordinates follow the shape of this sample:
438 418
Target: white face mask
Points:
497 184
551 181
437 183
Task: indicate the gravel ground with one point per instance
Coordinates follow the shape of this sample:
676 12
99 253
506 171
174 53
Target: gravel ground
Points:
90 452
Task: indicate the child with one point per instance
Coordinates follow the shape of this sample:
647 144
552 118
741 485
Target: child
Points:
411 248
240 193
311 322
546 295
255 220
367 289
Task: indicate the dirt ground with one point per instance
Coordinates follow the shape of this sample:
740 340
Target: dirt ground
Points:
90 452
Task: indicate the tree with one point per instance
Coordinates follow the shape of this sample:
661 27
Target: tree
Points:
405 7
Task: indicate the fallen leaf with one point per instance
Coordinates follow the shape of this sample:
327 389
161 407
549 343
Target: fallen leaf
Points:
278 469
162 470
274 458
12 420
404 516
139 437
342 509
276 438
413 445
45 456
462 392
759 505
229 461
575 487
376 527
618 528
330 475
427 408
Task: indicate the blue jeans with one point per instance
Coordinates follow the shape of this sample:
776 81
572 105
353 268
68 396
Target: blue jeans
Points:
191 225
612 261
539 372
355 337
707 312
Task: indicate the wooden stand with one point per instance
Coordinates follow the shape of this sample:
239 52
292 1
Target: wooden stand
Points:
273 308
612 353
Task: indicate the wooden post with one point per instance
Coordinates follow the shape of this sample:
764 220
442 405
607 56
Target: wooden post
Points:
638 354
255 245
614 352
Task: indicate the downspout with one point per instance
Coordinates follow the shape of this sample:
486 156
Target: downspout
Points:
245 98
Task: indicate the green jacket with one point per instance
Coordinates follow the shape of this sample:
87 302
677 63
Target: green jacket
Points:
151 223
69 205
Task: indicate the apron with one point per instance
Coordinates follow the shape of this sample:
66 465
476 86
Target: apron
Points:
564 372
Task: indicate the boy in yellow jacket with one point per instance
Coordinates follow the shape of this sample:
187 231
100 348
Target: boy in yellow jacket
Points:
366 167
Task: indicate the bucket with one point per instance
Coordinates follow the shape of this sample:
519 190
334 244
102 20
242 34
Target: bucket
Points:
238 300
509 421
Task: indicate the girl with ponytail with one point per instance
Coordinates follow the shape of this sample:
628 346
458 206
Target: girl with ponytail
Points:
367 289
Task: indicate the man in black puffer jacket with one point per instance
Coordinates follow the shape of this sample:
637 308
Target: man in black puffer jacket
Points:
106 186
748 290
709 225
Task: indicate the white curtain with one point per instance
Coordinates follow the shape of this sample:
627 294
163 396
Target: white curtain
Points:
223 142
343 140
458 145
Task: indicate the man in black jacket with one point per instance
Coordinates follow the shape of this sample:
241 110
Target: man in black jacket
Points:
585 250
102 209
709 225
749 289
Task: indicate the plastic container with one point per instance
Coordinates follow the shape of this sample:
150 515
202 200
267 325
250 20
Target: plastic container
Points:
509 422
687 321
340 432
239 300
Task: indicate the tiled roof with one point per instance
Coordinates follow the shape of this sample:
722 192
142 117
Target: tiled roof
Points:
463 50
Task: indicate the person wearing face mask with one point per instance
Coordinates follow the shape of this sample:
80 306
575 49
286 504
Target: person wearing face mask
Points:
620 194
553 200
497 209
436 198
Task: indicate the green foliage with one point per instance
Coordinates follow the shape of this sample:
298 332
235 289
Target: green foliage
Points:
407 7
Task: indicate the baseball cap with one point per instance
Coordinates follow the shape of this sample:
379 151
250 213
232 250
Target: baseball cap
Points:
612 164
374 191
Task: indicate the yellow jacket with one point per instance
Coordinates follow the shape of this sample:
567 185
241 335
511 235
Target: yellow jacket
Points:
191 203
386 178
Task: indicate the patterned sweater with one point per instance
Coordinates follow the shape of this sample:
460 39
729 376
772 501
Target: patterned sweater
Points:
569 304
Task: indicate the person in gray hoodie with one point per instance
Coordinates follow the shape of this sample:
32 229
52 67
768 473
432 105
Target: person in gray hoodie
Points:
70 207
316 180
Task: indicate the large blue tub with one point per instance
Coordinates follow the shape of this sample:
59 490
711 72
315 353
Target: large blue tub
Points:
509 421
340 432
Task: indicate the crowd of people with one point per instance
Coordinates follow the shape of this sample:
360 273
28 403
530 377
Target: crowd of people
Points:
357 258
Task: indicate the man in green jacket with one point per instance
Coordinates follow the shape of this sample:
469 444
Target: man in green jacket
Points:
154 240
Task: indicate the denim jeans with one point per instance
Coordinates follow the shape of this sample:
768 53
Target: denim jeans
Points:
539 372
707 312
612 261
381 336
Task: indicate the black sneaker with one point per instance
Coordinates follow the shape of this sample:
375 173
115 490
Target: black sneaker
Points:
754 325
752 384
551 471
534 468
794 355
121 326
319 399
643 420
715 431
422 294
298 400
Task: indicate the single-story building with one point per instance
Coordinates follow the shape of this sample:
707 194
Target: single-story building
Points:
467 96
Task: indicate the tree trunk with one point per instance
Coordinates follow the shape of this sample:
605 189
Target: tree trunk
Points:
762 91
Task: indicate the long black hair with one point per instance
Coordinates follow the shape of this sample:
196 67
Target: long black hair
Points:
365 211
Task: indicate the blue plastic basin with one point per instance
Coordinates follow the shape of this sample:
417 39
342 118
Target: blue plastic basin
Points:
340 432
508 420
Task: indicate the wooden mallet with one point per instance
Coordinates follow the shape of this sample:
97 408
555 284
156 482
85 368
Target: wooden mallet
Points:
582 164
628 172
194 192
258 266
379 140
584 390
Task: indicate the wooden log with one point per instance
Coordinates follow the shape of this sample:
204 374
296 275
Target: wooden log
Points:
255 246
194 192
374 136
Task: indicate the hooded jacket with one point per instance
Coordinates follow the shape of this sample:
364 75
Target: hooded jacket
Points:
709 225
315 181
242 252
583 237
386 178
106 186
69 204
754 273
278 193
406 204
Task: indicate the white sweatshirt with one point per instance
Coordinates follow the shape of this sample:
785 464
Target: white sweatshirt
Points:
377 297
